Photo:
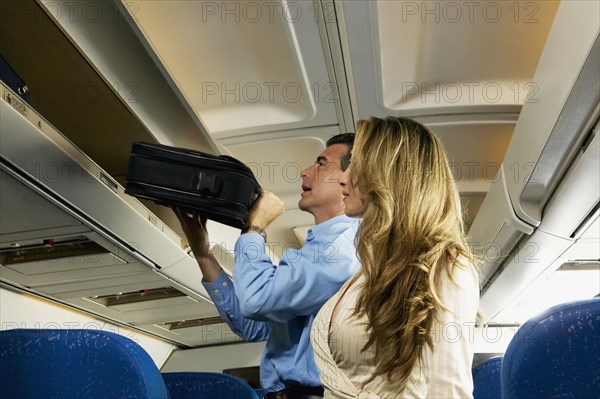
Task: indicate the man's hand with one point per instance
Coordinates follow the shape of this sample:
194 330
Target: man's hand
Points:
267 208
194 227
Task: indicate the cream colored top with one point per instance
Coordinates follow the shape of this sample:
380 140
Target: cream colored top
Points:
443 372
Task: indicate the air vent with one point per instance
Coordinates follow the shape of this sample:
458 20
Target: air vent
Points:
50 249
137 296
587 221
177 325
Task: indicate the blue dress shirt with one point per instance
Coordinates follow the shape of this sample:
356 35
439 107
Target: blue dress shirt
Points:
279 303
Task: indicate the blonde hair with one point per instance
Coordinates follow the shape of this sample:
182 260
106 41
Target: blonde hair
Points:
411 231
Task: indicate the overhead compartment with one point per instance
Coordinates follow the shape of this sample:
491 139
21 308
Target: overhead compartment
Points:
471 99
69 233
271 76
29 143
548 193
390 47
550 132
566 241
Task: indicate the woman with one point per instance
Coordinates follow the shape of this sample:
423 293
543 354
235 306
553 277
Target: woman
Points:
402 326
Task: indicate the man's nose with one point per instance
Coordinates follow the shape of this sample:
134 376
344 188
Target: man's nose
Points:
306 172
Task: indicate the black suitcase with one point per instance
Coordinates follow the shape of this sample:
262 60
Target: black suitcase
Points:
222 187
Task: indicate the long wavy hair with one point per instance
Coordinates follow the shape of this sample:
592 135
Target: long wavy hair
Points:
411 232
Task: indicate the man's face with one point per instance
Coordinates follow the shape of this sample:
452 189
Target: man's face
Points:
321 190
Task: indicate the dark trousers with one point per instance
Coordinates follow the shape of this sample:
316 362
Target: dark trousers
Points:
297 392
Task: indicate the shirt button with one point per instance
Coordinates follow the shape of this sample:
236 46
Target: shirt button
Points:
216 290
231 316
224 283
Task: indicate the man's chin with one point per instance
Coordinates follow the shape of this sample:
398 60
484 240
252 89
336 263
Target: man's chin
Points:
302 205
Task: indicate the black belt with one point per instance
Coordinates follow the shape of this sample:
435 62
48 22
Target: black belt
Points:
297 392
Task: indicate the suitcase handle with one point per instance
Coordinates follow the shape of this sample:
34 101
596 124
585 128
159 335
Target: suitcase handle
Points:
208 184
147 149
202 154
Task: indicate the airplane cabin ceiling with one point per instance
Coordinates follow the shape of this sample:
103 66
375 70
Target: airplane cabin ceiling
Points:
257 72
269 82
243 67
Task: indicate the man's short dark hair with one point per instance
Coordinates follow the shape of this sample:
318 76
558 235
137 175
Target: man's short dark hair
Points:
348 140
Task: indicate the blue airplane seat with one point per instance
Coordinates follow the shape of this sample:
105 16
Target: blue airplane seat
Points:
555 354
486 379
38 363
204 385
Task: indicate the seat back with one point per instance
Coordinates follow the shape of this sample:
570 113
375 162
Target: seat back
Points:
75 364
203 385
486 379
555 354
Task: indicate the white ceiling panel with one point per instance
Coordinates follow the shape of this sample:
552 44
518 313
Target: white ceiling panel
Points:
475 151
438 57
279 165
242 66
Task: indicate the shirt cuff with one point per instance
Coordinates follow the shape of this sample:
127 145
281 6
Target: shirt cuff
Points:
218 288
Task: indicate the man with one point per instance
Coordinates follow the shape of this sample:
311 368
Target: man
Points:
278 303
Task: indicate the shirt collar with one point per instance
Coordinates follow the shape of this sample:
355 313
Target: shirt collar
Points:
329 226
